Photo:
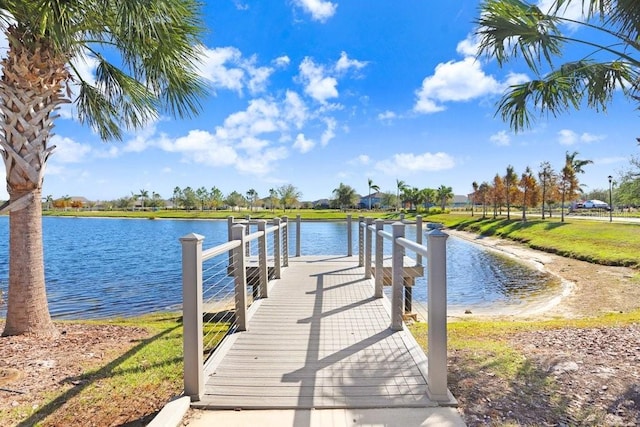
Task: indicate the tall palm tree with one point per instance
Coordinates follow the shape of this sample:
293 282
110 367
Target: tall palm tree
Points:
400 187
143 195
569 183
273 198
157 45
372 186
252 195
475 186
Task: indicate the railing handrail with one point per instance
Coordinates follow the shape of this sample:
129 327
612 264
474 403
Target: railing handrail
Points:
436 290
237 246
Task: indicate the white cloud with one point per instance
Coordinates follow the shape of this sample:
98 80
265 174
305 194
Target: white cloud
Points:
281 61
501 138
569 137
362 159
303 144
225 68
240 6
215 67
295 110
387 116
68 151
574 10
329 133
458 81
320 10
167 169
344 63
468 46
406 163
317 85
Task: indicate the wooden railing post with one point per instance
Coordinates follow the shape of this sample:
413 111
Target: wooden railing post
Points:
397 283
285 241
240 275
360 242
262 260
437 315
298 226
419 237
192 315
379 283
349 237
277 258
368 250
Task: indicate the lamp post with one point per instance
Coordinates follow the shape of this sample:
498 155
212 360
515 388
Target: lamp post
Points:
610 200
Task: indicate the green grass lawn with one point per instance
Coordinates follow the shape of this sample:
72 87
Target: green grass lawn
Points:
594 241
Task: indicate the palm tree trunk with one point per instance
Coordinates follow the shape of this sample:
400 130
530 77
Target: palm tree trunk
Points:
27 310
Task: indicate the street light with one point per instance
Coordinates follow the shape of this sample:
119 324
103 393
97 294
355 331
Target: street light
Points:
610 203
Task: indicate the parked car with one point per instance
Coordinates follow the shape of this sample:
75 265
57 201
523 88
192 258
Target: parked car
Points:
595 204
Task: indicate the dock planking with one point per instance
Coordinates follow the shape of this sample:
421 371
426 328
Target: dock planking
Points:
319 341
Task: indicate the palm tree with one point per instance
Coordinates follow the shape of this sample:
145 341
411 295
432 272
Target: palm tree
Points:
473 196
252 195
400 187
157 45
144 195
345 196
569 184
444 194
372 186
273 198
509 29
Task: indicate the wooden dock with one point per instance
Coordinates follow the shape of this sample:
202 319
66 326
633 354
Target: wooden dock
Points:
319 341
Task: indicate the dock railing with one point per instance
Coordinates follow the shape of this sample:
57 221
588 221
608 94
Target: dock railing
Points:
233 262
402 279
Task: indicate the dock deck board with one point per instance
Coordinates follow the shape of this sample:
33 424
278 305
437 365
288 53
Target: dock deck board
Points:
319 341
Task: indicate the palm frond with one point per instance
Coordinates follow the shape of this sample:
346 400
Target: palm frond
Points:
512 28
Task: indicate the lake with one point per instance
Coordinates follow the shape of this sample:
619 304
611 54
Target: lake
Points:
98 267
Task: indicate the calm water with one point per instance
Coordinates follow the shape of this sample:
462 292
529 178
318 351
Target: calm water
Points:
116 267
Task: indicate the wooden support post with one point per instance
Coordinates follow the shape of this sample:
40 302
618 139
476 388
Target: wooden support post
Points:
379 261
277 257
230 238
437 315
397 283
240 275
192 315
262 260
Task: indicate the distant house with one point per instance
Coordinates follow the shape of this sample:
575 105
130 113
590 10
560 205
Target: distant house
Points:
459 201
321 204
376 201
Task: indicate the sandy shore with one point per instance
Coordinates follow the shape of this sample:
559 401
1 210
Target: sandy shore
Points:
586 289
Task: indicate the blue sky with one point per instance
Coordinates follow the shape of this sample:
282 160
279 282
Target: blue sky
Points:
316 93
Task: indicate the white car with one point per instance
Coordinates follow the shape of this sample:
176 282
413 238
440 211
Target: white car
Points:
595 204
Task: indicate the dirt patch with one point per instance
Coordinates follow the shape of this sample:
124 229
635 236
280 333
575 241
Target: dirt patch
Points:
571 376
31 368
